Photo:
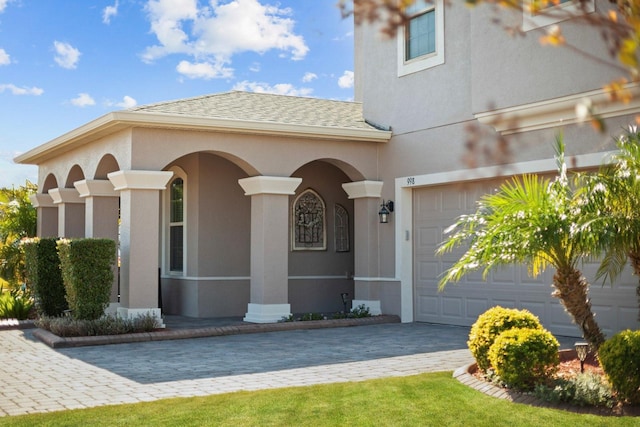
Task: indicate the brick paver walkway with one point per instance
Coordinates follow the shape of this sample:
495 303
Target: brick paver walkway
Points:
37 378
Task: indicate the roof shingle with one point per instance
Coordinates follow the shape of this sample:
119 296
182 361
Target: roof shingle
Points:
262 107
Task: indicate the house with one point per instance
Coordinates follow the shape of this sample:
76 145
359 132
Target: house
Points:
260 205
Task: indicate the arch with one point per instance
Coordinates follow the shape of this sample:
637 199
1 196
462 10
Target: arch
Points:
75 174
107 164
249 169
351 171
49 182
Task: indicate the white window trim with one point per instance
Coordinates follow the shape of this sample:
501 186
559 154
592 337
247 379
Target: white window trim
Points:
177 173
426 61
553 15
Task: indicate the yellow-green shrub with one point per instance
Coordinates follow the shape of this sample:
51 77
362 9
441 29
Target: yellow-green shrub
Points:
620 359
492 323
524 357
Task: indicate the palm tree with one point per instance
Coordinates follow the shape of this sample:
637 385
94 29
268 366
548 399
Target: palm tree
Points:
533 221
614 208
17 220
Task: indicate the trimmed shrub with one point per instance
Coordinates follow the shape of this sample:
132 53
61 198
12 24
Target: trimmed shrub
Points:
492 323
620 359
106 325
44 276
87 273
524 357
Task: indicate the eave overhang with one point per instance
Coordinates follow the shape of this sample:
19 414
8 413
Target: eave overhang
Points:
561 111
120 120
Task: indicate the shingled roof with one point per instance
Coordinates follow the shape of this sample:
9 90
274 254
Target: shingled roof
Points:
231 112
263 107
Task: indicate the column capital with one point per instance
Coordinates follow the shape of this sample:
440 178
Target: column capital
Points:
269 185
139 180
363 189
95 187
41 200
65 195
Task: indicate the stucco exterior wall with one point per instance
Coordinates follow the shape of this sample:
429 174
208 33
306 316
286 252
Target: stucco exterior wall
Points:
88 158
256 155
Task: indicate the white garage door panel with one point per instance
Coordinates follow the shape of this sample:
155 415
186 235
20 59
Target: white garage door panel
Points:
435 209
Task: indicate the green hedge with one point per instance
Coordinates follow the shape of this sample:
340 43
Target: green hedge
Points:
44 276
620 359
88 275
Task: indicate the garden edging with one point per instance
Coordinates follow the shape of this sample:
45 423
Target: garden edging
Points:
55 341
465 375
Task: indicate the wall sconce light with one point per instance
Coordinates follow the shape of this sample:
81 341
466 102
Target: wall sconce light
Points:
582 349
385 209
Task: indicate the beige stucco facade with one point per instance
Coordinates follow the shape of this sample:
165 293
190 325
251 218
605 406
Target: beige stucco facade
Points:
429 138
240 182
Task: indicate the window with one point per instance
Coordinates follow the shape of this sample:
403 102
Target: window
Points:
176 225
421 41
554 13
308 222
341 232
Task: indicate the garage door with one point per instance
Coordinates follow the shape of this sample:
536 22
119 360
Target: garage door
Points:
435 209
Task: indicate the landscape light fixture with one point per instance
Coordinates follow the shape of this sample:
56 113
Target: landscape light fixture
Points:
582 349
385 209
344 297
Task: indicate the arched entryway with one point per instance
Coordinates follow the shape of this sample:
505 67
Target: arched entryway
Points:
321 256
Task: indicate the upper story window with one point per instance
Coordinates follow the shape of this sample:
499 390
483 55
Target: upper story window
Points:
540 13
421 41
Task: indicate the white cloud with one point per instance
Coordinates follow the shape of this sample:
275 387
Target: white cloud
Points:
255 67
213 34
346 80
3 5
127 102
308 77
83 100
4 57
204 70
67 56
15 90
279 89
109 12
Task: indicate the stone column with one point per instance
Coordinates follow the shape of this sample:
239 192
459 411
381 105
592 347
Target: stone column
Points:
70 212
269 246
47 215
139 239
102 206
366 197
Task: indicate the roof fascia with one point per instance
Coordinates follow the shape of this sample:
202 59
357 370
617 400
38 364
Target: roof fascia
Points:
118 120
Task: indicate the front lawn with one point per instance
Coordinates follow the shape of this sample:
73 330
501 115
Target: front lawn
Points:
421 400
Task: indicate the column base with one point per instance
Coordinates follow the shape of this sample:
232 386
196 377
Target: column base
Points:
112 309
131 313
372 305
266 313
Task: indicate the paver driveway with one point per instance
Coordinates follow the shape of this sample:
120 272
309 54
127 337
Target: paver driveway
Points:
36 378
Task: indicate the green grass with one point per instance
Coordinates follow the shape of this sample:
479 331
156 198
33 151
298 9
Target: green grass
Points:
421 400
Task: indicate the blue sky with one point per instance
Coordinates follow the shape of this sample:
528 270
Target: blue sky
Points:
66 62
